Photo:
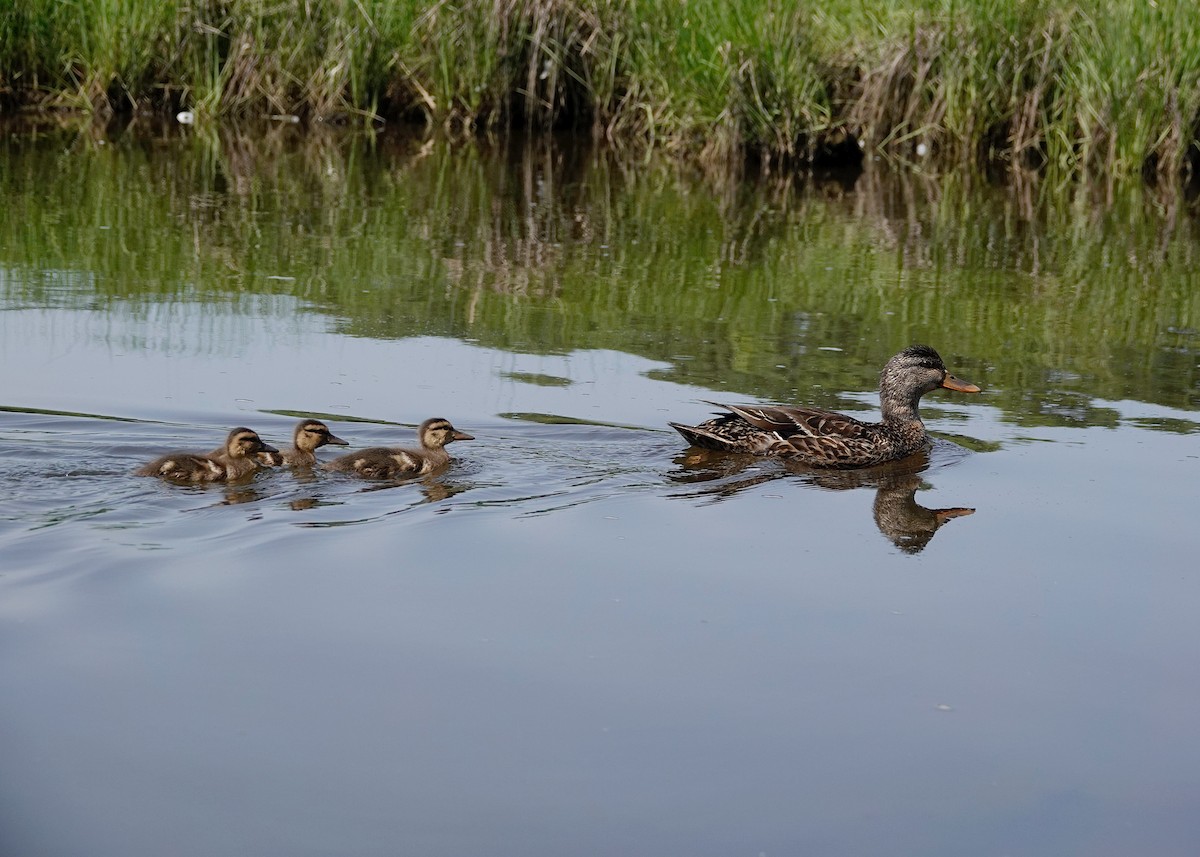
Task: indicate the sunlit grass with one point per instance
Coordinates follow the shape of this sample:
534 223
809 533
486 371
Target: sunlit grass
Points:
1109 88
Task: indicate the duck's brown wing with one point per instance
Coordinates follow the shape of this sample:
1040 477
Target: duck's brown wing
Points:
818 437
790 423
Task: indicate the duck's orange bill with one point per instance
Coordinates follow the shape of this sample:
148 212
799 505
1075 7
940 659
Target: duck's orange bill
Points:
952 383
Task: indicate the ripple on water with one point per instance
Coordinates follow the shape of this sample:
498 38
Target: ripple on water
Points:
67 469
71 474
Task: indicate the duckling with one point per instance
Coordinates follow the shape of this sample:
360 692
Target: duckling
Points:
184 467
383 462
237 458
244 452
821 438
309 435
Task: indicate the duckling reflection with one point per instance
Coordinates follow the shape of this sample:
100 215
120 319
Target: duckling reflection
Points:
434 489
303 504
429 489
904 522
241 494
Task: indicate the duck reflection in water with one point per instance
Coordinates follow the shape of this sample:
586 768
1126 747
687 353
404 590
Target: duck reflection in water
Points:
902 520
905 522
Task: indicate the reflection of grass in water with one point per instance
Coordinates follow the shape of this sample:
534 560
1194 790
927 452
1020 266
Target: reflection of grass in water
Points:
1167 424
320 415
537 379
559 420
14 409
972 443
547 251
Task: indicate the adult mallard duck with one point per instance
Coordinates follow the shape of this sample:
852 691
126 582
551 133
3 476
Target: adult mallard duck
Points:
306 439
239 457
382 462
826 439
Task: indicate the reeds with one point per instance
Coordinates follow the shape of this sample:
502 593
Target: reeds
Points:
1109 88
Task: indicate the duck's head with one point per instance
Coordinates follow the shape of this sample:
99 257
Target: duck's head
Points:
244 442
311 434
914 372
437 432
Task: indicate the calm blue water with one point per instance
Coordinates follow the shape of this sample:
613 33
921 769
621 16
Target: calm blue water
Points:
578 639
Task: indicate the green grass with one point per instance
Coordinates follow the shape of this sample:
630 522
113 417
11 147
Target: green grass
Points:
1105 89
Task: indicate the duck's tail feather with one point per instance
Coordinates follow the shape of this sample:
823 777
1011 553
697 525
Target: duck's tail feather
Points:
701 437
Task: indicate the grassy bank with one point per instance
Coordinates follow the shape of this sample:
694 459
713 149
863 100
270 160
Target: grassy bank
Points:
1104 89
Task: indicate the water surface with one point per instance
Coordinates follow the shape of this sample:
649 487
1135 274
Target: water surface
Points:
582 638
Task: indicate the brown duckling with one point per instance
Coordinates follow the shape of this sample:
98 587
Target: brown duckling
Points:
822 438
244 453
236 459
383 462
307 438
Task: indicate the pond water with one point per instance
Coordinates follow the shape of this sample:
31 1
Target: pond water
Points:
581 638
